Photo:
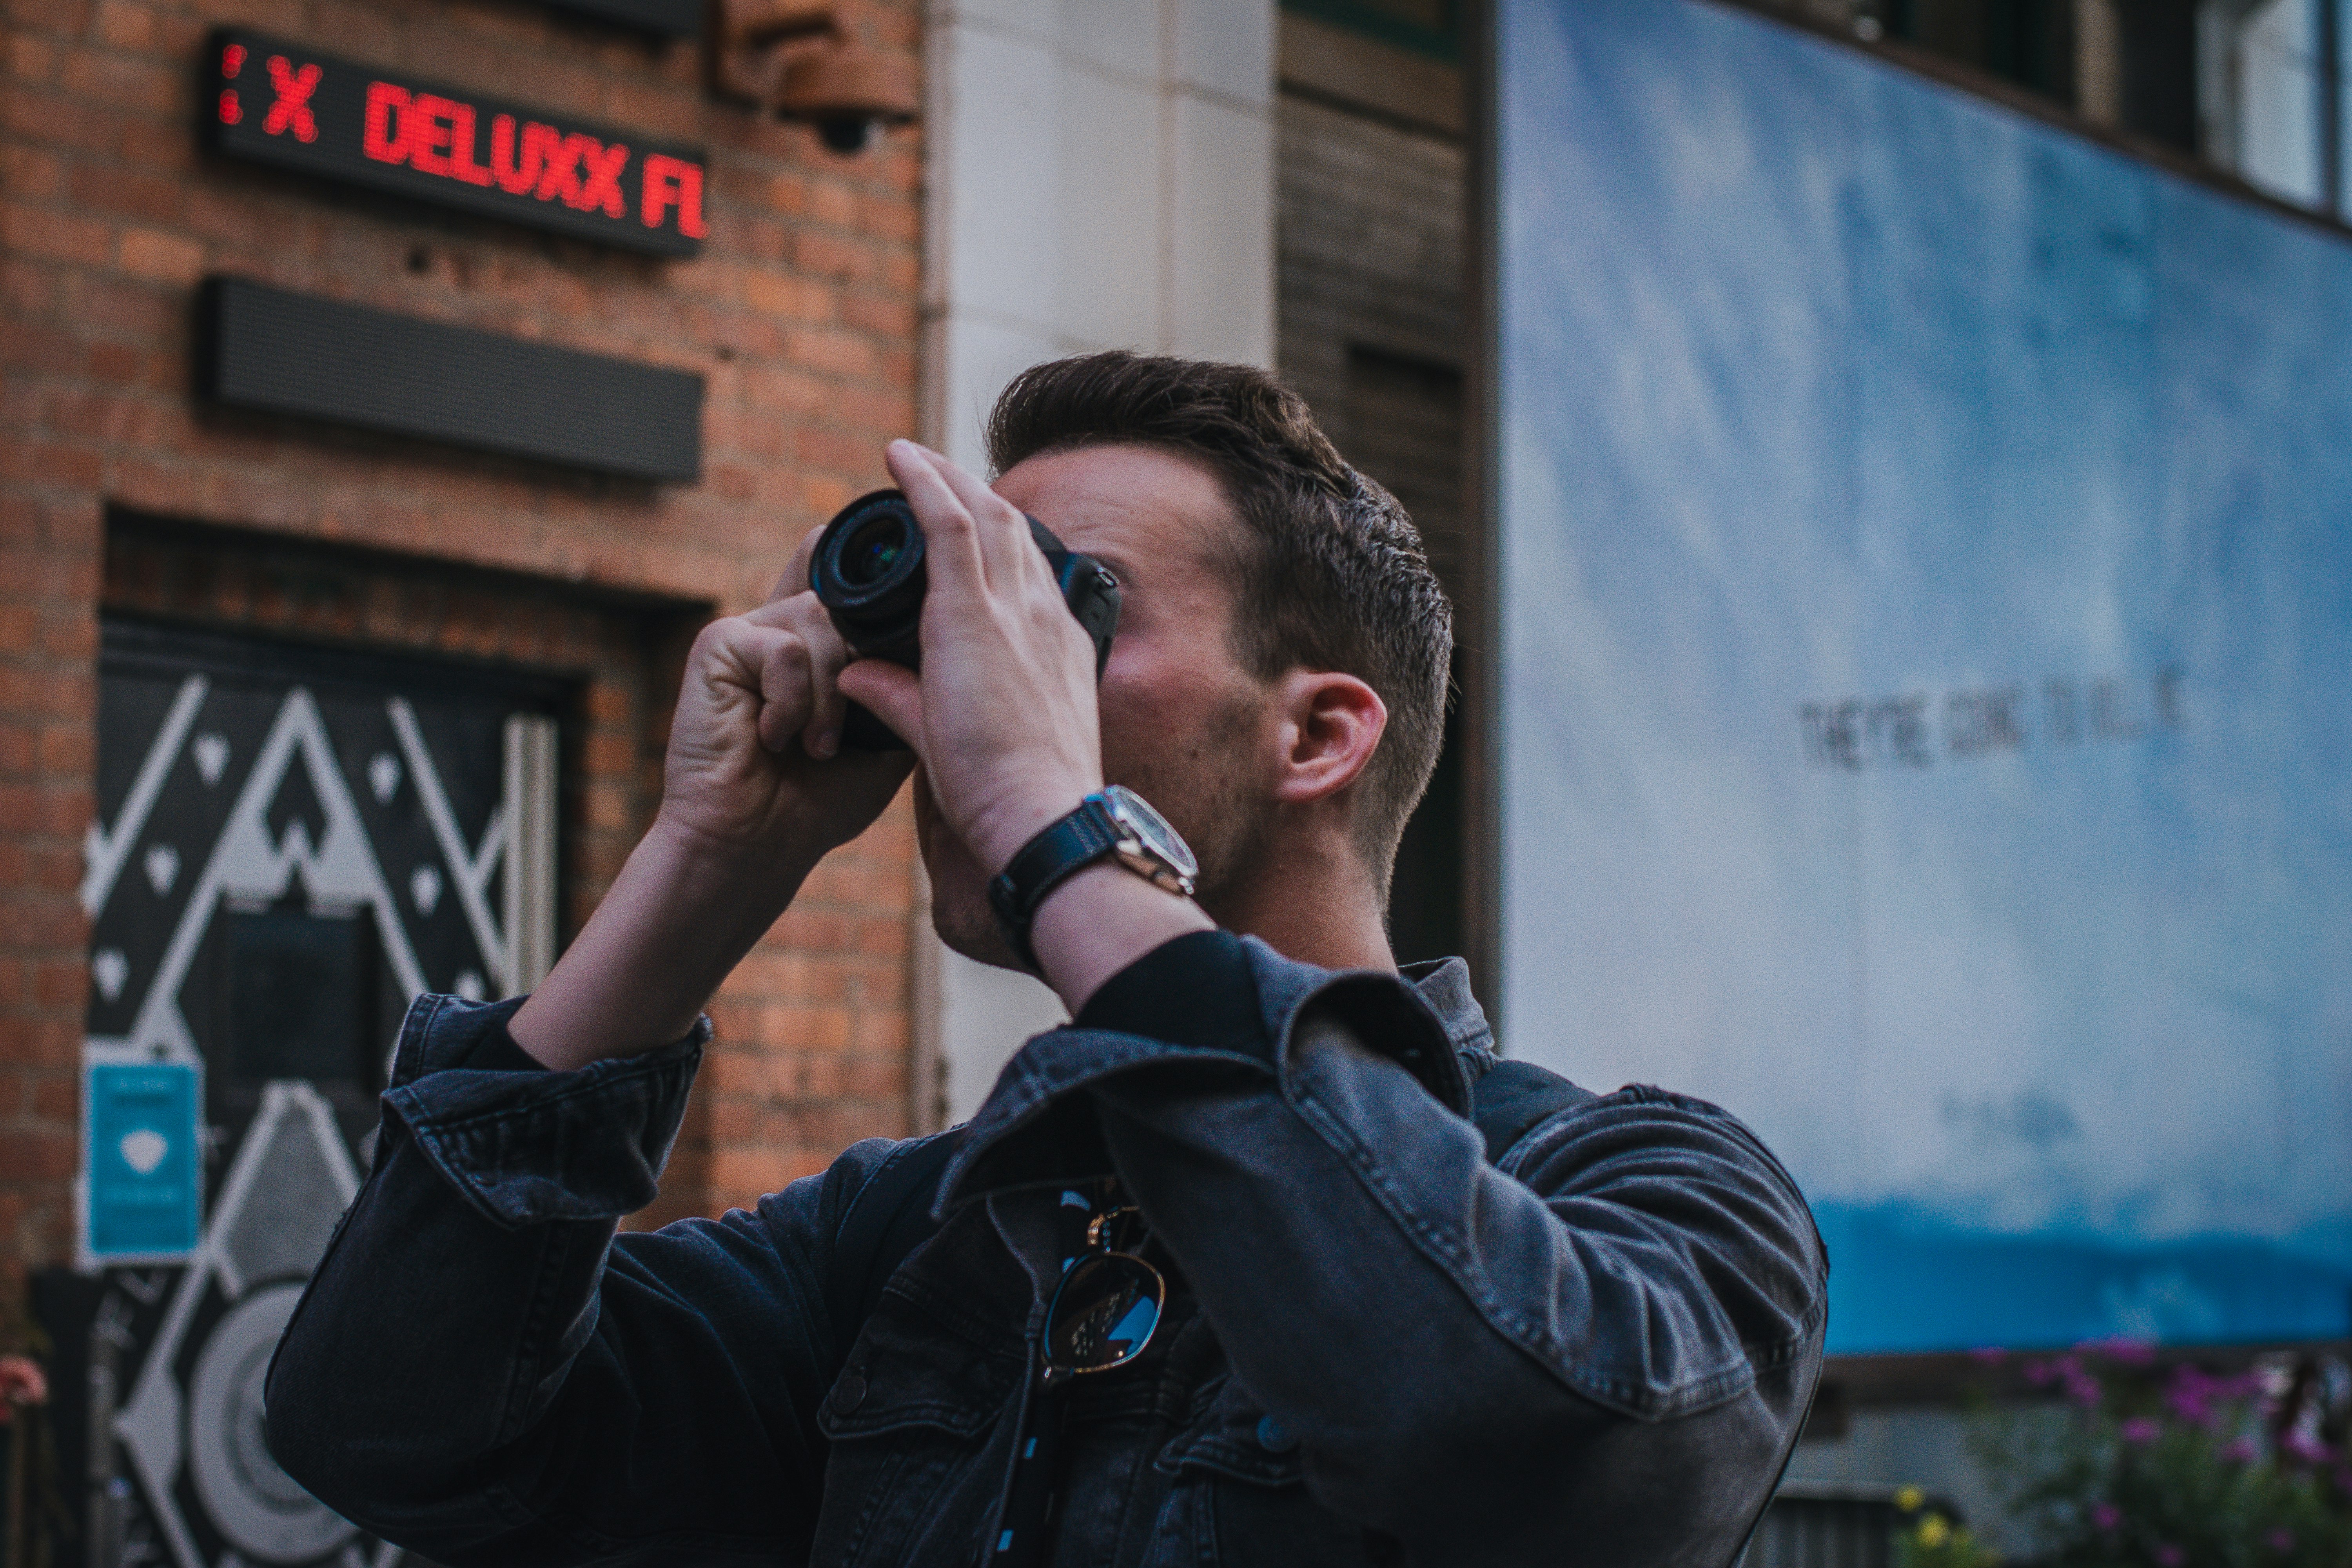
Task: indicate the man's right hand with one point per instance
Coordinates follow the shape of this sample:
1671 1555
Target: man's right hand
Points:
755 767
755 791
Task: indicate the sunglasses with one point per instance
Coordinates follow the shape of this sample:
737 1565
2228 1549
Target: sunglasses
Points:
1108 1305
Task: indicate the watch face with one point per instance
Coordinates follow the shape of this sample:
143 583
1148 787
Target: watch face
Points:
1132 812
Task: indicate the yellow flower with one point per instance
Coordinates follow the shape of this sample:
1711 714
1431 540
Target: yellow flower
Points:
1909 1498
1934 1531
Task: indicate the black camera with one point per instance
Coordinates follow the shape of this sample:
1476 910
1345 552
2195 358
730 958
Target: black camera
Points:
868 575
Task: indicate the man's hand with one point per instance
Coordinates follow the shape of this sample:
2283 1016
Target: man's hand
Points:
754 768
1003 719
754 795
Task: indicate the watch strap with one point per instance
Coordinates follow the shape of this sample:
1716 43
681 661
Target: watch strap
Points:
1057 853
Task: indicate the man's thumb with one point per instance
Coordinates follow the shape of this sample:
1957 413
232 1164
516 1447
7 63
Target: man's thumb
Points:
891 692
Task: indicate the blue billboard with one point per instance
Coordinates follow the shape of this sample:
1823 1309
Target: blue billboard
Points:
1926 550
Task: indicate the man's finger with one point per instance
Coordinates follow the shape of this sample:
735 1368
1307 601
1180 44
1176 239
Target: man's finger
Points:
1003 531
795 578
804 617
950 546
785 692
892 693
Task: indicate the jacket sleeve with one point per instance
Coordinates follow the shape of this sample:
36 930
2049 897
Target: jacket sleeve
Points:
1610 1340
479 1370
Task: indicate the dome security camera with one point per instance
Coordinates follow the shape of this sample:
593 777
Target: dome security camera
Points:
797 61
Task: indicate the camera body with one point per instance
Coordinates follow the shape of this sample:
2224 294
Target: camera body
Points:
868 574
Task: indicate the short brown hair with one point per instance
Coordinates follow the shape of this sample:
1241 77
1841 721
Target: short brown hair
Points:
1329 572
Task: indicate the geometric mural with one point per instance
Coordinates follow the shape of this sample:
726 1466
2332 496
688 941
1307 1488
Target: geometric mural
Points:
291 844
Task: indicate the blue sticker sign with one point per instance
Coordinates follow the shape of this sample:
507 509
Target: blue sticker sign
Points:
140 1161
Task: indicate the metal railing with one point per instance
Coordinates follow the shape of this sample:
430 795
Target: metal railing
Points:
1829 1524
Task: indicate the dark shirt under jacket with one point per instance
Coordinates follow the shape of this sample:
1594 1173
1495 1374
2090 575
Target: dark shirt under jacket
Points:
1380 1348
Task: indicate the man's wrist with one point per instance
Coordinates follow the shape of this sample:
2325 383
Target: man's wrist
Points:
1005 832
1100 920
681 914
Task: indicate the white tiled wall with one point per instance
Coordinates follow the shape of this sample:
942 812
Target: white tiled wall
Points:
1102 175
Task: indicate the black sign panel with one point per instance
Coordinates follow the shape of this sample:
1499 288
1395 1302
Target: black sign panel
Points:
664 18
271 101
265 349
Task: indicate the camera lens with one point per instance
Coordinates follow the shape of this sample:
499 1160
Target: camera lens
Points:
872 548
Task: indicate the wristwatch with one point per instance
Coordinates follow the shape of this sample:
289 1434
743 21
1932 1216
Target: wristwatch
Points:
1115 822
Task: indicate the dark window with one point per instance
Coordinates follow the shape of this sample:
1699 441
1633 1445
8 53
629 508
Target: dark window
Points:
1403 423
300 987
1425 27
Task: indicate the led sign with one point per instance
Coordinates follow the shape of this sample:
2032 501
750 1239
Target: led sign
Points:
279 353
663 18
271 101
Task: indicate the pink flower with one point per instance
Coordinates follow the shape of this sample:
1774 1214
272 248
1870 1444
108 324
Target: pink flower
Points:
2041 1373
2141 1430
2168 1556
2281 1539
1989 1355
2192 1395
2241 1451
2082 1389
2121 1348
2106 1515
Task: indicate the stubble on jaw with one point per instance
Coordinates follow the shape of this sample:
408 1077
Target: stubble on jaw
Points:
1206 788
961 915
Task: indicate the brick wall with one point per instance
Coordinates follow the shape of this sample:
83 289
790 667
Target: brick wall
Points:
801 315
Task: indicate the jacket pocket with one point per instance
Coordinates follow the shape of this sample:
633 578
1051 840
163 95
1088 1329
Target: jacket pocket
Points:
1248 1478
914 1421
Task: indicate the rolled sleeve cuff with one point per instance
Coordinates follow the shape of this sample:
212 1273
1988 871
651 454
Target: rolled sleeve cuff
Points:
524 1145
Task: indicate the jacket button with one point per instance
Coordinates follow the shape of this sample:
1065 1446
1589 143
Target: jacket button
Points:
1274 1437
849 1392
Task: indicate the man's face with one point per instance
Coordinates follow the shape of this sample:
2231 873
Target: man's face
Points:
1183 725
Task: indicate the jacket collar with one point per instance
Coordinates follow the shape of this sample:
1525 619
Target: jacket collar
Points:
1444 985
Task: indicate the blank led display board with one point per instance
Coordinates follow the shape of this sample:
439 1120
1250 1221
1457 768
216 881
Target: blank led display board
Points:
663 18
281 352
1926 656
268 101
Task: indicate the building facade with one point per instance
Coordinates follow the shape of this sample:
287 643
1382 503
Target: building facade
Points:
351 535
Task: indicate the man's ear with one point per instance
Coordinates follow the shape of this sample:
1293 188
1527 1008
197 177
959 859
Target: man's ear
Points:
1331 725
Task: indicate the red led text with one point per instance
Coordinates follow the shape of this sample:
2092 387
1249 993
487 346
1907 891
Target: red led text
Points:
436 135
292 110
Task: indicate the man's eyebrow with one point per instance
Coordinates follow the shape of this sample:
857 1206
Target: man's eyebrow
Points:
1117 564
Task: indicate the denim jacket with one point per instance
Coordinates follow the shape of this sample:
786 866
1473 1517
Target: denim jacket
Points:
1379 1348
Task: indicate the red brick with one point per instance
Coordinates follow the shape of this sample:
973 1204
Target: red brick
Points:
124 82
126 25
54 235
118 192
31 59
166 257
33 1155
55 1097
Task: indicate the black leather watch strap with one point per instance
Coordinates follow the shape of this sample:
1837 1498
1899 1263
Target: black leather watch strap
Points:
1061 850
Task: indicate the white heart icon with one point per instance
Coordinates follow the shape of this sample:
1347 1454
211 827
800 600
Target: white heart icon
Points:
424 887
211 755
163 868
383 777
110 969
144 1149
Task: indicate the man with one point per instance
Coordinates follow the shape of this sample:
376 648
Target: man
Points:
1223 1273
